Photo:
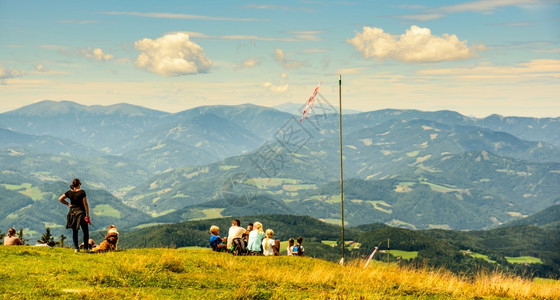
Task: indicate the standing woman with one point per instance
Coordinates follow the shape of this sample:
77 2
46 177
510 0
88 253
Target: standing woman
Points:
78 216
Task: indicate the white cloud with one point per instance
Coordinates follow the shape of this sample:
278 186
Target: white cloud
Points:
8 73
248 63
96 53
80 22
241 37
314 50
54 47
487 5
307 35
348 71
276 88
480 6
277 7
519 24
538 68
177 16
554 50
423 16
416 45
172 55
281 58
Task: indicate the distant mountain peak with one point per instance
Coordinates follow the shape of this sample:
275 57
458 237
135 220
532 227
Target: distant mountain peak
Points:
53 108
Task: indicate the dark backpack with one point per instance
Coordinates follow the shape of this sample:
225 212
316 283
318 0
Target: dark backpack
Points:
238 246
298 251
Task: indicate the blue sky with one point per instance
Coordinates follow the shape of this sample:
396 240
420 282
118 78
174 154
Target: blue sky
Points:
475 57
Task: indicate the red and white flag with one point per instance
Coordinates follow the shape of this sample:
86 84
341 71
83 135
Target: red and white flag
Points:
310 102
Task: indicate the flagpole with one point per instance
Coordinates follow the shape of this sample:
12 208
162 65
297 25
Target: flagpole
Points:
341 175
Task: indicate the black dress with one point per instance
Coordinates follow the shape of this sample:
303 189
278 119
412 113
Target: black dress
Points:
77 212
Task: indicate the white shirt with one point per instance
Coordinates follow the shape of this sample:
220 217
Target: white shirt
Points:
289 250
268 250
233 233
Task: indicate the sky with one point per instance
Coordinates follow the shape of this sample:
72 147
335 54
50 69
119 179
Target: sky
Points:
476 57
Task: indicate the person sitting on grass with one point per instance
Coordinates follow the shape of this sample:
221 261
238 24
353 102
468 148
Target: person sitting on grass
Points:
216 242
269 245
246 234
255 239
11 238
290 249
235 238
298 249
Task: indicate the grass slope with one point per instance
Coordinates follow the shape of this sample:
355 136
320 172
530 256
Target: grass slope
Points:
156 273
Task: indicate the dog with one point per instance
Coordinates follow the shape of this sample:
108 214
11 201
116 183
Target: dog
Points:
110 242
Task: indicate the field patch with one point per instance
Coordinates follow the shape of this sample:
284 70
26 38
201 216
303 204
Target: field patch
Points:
298 187
330 243
523 260
263 183
333 199
443 189
413 153
399 223
381 205
106 210
404 187
213 213
225 168
514 214
26 189
147 225
478 255
157 214
333 221
404 254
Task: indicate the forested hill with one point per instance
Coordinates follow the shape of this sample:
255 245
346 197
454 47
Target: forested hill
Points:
548 218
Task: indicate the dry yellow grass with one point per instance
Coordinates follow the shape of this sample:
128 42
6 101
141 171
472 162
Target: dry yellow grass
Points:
30 273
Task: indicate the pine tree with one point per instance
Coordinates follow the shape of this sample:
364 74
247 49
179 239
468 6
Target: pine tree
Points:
60 242
2 234
20 236
47 238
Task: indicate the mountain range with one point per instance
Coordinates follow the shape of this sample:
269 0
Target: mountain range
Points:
404 168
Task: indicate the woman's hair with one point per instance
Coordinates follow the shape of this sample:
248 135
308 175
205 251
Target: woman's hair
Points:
75 183
258 227
214 229
11 232
291 242
269 235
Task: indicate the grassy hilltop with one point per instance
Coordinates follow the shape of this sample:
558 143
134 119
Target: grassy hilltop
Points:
155 273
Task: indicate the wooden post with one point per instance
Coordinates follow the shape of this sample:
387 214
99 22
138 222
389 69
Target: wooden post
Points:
341 174
388 247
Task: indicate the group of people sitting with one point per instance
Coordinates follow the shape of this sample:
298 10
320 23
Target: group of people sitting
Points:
252 241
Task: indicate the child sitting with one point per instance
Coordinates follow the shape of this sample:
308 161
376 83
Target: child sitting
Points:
298 249
216 242
269 245
290 249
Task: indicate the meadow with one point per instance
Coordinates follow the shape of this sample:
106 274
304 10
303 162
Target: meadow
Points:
157 273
